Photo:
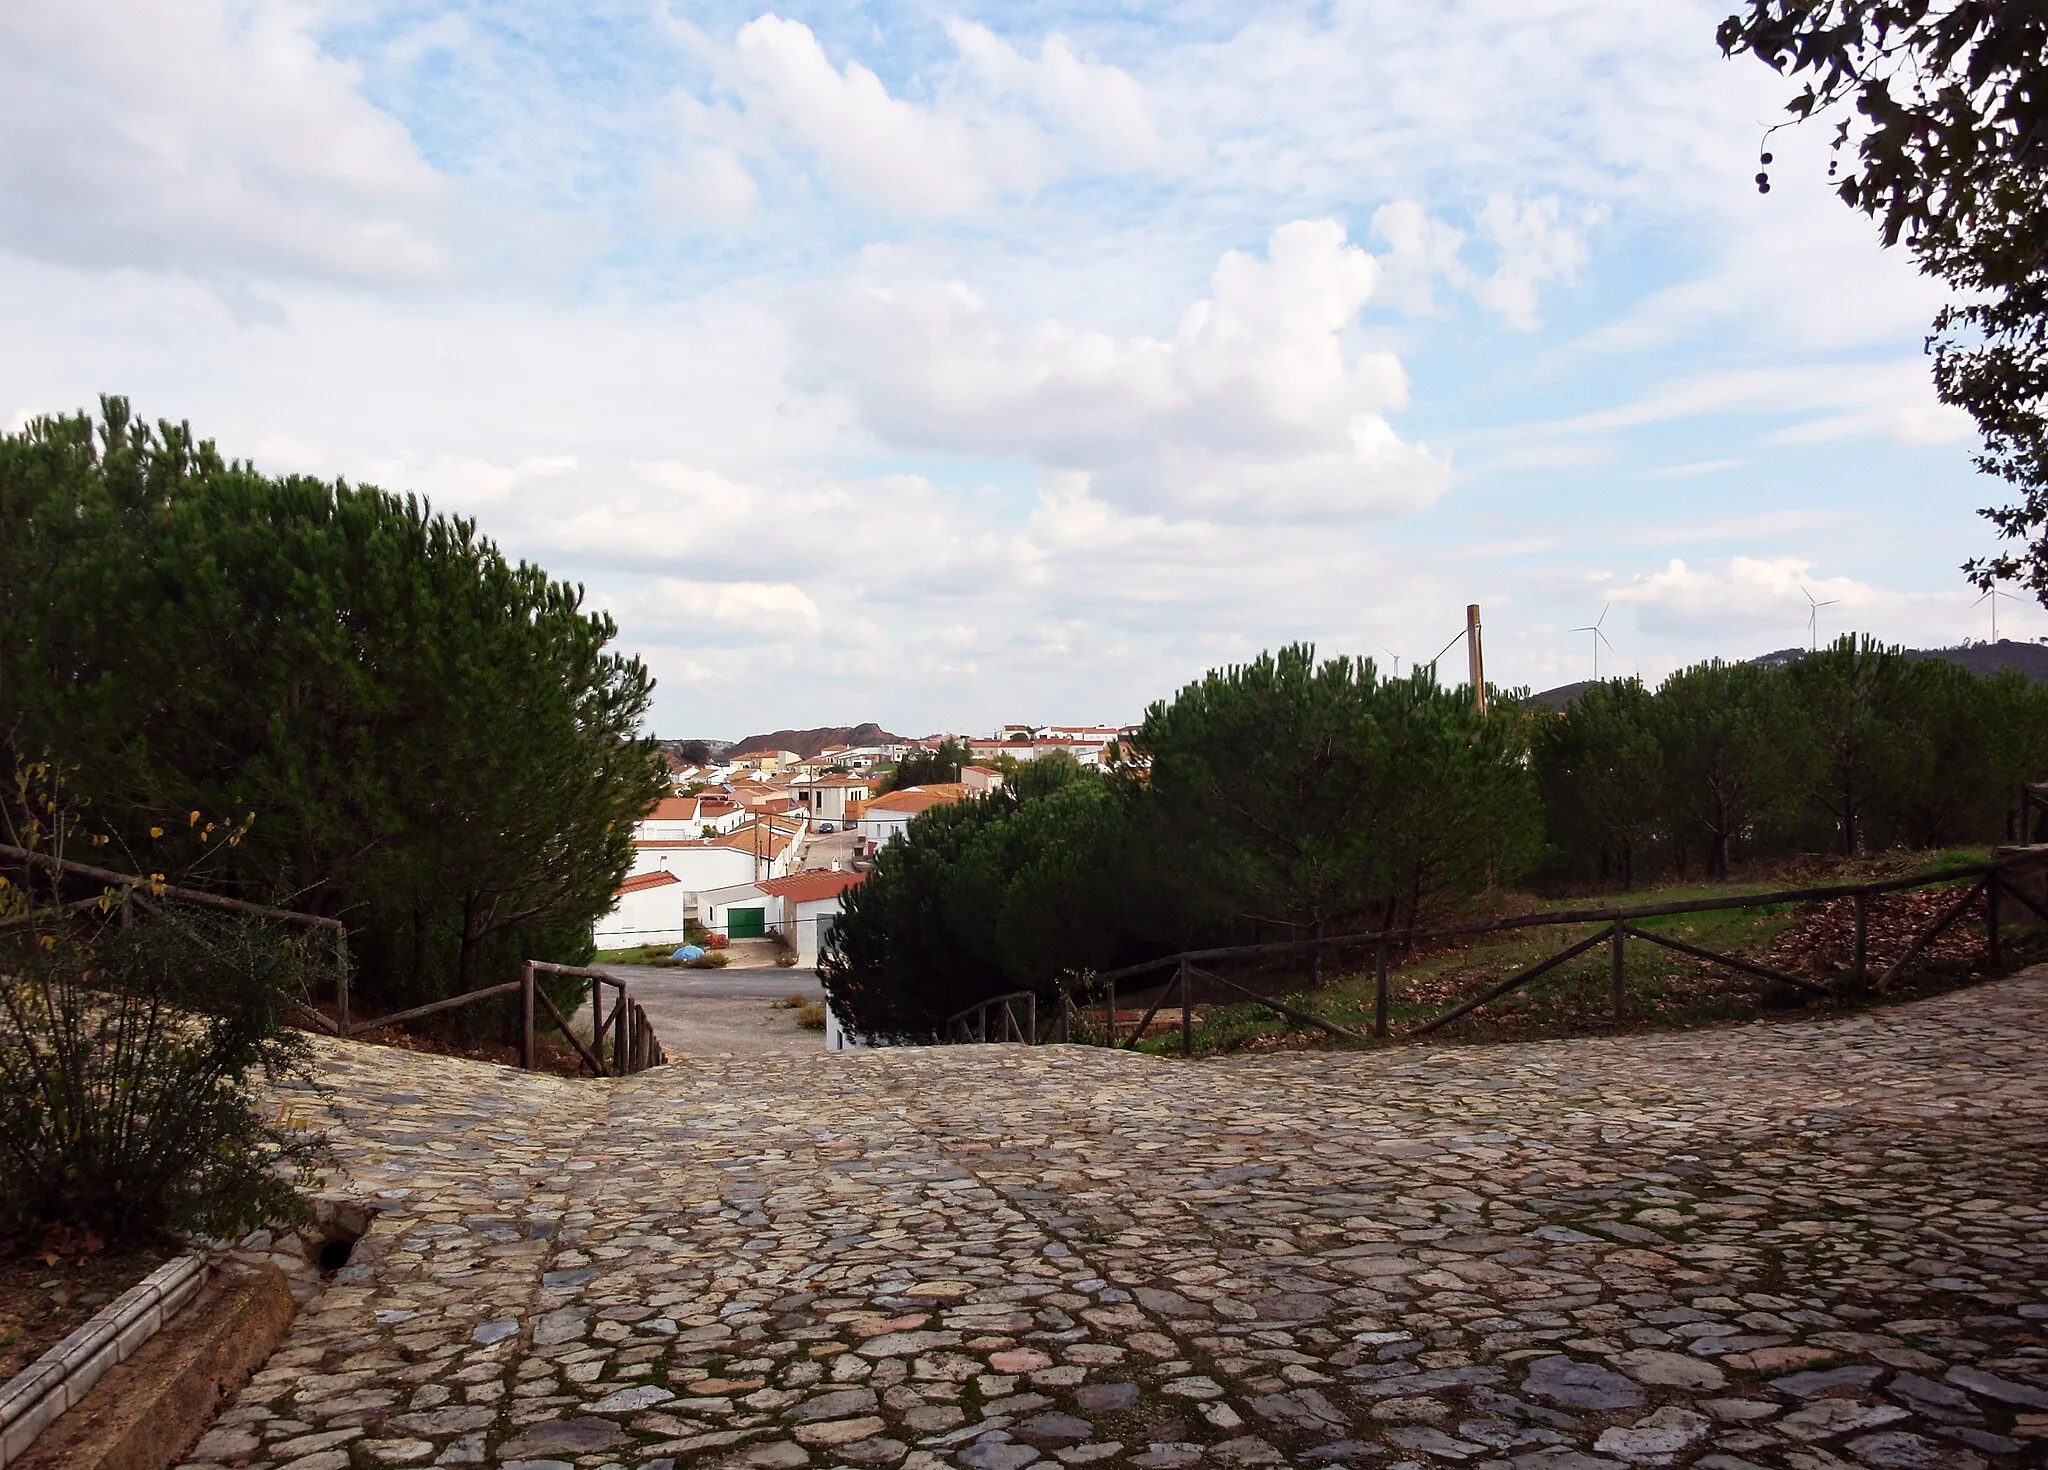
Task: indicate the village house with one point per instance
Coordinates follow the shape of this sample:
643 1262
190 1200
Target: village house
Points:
650 908
767 762
800 908
689 816
883 819
670 875
1087 752
826 798
980 780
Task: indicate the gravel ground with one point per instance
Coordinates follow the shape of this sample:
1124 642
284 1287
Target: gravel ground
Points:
707 1013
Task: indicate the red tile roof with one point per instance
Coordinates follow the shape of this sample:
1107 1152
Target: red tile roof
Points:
640 882
918 798
810 887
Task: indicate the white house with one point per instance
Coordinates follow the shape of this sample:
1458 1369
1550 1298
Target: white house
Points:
810 904
800 907
681 817
883 819
738 911
759 848
650 909
826 797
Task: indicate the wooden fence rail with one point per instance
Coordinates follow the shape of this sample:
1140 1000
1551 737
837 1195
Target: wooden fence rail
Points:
634 1046
1987 882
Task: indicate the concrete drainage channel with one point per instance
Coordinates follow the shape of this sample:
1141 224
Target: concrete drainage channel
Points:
159 1389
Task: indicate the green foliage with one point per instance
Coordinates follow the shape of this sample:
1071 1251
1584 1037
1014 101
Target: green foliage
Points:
127 1055
1852 749
1295 794
1946 105
895 964
1601 772
1855 696
1281 795
439 746
1736 759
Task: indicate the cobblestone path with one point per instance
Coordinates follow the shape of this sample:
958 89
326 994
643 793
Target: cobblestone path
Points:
1811 1244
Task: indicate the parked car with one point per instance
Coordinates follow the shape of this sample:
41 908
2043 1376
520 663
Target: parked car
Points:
825 827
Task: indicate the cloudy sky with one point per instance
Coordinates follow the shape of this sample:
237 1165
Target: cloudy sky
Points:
948 364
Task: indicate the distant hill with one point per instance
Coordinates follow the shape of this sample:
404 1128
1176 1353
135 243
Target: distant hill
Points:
2030 659
813 742
696 752
1562 695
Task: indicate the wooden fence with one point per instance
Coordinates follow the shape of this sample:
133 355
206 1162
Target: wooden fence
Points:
1990 882
633 1044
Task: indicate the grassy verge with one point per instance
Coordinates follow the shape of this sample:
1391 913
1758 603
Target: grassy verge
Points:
1663 989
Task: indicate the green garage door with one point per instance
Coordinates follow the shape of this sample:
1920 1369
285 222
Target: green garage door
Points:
746 923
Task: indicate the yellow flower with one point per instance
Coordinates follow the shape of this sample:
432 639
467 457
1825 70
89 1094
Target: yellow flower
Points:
193 820
156 831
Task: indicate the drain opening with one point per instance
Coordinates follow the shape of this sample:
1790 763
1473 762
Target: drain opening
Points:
334 1255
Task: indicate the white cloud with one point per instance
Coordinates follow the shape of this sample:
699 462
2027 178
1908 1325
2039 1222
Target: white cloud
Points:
1745 594
462 483
1256 404
1887 399
1695 468
704 184
889 153
211 137
770 454
1533 248
765 609
1420 249
1102 109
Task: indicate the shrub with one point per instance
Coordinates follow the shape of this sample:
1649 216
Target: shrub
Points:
127 1058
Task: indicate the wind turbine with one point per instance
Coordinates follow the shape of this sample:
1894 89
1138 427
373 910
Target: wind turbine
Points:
1397 657
1993 594
1598 638
1813 619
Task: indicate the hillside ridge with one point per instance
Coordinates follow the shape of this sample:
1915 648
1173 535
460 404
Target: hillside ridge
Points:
2030 659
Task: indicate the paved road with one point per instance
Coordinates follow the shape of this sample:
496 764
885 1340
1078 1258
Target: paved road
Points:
1806 1245
724 1012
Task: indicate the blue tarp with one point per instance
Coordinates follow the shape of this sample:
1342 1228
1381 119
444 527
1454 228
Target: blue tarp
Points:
688 952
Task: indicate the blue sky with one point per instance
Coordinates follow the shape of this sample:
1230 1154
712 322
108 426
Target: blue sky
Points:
945 365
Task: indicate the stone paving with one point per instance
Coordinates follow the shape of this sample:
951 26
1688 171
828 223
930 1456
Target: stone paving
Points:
1807 1244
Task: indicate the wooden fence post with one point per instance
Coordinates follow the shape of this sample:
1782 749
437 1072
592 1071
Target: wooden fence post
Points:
1617 976
1031 1011
1859 964
1379 989
1187 1010
1109 1031
620 1055
341 980
1992 955
526 1015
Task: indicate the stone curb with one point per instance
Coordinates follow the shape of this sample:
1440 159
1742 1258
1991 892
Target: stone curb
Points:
34 1397
150 1410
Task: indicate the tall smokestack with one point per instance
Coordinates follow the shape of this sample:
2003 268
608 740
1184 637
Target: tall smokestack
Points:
1474 656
